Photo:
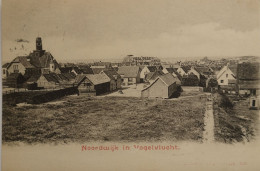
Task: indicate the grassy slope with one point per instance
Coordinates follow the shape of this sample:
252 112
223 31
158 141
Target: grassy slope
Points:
83 119
234 125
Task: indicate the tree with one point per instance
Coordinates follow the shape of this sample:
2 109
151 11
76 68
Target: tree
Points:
213 82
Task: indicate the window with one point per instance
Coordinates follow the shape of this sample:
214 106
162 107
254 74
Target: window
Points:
15 67
3 71
226 75
87 84
253 103
130 79
221 81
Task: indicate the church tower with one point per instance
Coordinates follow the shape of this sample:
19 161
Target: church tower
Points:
38 52
39 43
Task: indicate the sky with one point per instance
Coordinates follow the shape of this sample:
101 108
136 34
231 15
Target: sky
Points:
82 30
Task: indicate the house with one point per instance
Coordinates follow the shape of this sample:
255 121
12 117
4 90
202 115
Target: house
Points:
19 65
15 80
44 81
164 87
190 80
226 74
183 70
146 70
4 70
248 78
39 60
115 79
150 77
130 74
93 84
194 72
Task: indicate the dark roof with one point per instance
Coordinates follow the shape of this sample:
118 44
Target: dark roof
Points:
186 68
24 60
129 71
112 74
5 65
66 69
79 78
51 77
34 78
233 68
203 70
170 70
176 73
249 71
69 76
168 79
97 70
153 75
152 68
43 61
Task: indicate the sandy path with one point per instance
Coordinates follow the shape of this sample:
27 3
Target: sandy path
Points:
208 134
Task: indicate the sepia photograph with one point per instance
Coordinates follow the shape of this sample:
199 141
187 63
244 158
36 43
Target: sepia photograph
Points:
143 85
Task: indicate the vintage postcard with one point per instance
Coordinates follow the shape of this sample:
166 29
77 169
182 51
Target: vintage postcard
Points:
142 85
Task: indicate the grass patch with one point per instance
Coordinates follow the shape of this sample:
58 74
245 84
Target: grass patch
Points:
234 124
120 119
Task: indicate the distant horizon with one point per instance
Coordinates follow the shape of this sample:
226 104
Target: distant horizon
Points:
87 30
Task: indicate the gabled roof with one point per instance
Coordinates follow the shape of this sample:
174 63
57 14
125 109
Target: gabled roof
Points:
95 78
5 65
51 78
129 71
168 79
97 70
34 78
66 69
186 68
233 68
153 75
112 74
203 70
24 60
42 61
98 78
152 68
170 70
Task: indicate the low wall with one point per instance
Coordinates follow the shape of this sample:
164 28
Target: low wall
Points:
192 88
49 96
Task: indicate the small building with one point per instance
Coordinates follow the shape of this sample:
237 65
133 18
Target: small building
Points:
190 80
93 84
150 77
225 75
146 70
130 74
164 87
44 81
183 70
115 79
